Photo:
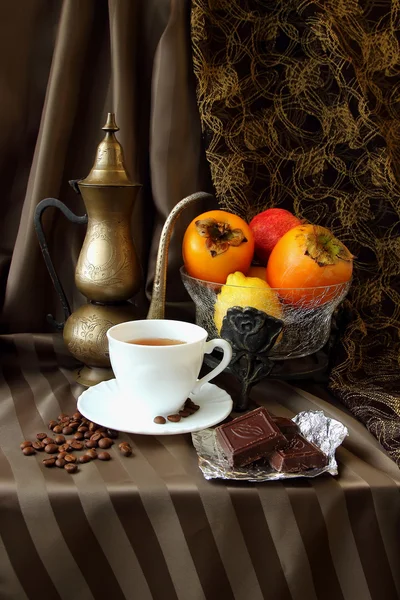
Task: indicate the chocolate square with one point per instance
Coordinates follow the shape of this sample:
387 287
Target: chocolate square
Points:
287 426
249 437
298 455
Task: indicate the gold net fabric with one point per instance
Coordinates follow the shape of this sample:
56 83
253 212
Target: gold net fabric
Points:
300 108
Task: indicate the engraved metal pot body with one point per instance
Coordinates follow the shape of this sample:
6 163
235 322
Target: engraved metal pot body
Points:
108 268
108 271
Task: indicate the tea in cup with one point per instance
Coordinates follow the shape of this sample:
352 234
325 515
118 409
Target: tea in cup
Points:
156 363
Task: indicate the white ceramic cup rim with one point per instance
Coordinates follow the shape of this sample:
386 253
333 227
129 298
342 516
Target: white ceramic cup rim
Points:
112 333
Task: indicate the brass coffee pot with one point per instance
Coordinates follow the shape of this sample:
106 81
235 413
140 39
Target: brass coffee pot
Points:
108 271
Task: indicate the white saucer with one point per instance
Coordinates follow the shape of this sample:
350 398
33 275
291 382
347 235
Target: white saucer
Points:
101 404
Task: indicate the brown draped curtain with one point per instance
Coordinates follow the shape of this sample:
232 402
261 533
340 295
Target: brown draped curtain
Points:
65 64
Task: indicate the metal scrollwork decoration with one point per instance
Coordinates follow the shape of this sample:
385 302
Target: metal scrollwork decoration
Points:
251 333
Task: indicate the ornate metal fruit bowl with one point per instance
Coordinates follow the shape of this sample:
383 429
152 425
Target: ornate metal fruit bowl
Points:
260 341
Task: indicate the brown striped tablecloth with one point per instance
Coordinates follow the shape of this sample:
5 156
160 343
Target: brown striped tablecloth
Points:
151 527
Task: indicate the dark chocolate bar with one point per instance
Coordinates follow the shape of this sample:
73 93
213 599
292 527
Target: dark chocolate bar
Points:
298 455
285 425
249 437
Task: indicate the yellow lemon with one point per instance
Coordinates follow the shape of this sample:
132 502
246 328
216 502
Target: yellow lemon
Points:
243 291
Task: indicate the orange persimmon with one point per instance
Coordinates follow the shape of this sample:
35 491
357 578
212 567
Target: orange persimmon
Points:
306 260
215 244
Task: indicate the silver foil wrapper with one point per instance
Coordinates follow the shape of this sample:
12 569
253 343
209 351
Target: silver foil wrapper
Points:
327 434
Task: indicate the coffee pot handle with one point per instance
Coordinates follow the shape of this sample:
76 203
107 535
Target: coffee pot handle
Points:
40 208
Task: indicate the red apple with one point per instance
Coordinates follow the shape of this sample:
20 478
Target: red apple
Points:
268 227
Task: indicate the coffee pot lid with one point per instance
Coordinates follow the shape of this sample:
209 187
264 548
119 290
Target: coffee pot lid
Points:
109 165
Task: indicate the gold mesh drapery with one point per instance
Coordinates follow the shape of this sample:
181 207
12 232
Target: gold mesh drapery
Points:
300 108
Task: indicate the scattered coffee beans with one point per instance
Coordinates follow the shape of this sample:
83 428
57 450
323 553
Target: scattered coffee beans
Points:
174 418
25 444
103 456
159 420
86 435
67 430
71 468
92 453
28 451
76 445
91 444
39 446
65 447
51 448
125 449
105 443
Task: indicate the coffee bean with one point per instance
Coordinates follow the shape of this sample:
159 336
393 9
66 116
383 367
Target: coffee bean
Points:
78 435
191 405
51 448
52 424
82 429
67 430
185 412
91 444
62 454
174 418
49 462
64 421
93 426
39 446
70 458
25 444
57 429
87 435
74 425
126 449
159 420
112 434
60 463
62 416
41 436
92 453
59 439
48 440
28 451
103 456
85 458
65 447
71 468
96 436
77 416
105 443
76 445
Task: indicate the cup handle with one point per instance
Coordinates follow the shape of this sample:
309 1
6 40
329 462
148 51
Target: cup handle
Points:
226 359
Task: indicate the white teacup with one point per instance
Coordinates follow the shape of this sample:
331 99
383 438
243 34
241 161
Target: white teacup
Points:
155 380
